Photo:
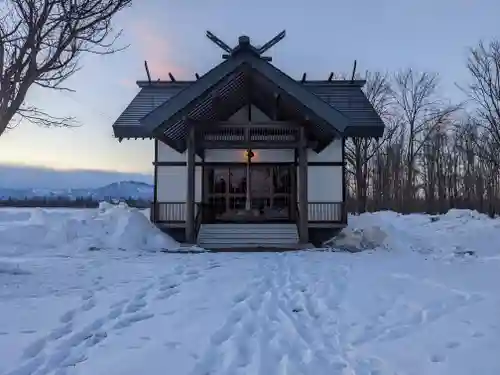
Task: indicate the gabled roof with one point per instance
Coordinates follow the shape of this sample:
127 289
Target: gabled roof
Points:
162 115
345 95
331 108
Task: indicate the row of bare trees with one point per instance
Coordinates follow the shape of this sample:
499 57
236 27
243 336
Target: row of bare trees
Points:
435 155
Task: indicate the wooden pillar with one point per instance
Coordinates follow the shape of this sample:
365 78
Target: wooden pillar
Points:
154 210
303 202
190 187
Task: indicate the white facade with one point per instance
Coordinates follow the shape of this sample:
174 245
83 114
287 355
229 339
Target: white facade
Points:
325 182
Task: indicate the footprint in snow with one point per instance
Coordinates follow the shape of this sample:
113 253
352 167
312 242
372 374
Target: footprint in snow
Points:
96 338
135 306
142 294
172 344
166 294
134 318
59 332
240 297
168 285
115 313
67 316
452 344
34 348
437 358
192 277
90 304
87 295
119 304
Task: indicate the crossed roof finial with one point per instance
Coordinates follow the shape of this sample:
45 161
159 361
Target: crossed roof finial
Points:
244 44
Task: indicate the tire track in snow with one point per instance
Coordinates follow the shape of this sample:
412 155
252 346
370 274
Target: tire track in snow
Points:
67 346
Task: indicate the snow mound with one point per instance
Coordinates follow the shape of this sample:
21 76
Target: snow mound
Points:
455 213
358 239
122 227
108 227
458 234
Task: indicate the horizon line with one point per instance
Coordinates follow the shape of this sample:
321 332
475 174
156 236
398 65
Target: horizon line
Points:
63 169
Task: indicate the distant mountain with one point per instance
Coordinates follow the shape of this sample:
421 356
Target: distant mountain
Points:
27 177
116 190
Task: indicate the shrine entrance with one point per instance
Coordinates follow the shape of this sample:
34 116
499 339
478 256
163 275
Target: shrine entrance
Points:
250 193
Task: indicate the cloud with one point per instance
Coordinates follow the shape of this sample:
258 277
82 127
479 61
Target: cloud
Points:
127 83
156 49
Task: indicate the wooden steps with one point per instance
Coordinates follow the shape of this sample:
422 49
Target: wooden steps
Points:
248 236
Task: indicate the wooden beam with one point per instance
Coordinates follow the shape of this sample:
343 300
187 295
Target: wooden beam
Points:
243 145
191 147
256 125
303 203
249 88
276 106
217 104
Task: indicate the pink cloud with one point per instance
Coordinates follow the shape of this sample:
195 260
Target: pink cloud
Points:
127 83
156 50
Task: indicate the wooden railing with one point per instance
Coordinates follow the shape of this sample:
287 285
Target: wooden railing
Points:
256 133
224 134
175 212
326 212
171 212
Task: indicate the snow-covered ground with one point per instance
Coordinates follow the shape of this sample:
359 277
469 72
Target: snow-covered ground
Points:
89 292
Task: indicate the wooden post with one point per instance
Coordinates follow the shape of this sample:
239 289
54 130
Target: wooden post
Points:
190 187
154 216
294 199
303 203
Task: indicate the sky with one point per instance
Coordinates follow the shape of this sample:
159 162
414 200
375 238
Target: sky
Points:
322 36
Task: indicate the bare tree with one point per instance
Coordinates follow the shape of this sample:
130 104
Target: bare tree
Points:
41 42
359 151
421 111
434 157
484 91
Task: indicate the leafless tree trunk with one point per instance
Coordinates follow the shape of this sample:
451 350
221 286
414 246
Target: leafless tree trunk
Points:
41 42
359 151
421 112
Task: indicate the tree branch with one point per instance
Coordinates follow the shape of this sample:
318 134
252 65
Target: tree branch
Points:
41 42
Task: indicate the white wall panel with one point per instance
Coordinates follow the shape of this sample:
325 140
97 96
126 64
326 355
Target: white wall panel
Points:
172 184
168 154
332 153
324 184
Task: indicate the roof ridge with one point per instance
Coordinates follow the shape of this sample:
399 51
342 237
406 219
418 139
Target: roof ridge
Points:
336 82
